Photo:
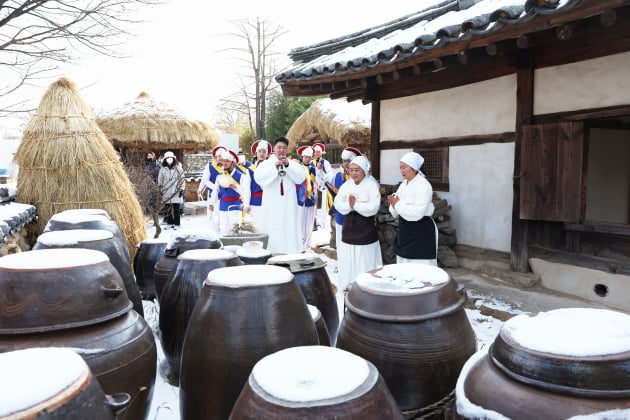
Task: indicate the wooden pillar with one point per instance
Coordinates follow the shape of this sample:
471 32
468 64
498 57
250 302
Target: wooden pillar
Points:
524 113
375 141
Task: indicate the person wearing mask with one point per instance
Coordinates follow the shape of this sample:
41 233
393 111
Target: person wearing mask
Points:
261 149
307 196
278 176
333 183
417 236
323 168
231 192
358 199
171 184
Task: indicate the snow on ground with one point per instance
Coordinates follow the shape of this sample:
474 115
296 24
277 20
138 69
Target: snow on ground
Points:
165 403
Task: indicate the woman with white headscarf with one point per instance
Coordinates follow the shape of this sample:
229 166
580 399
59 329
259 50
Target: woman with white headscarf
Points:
416 237
358 200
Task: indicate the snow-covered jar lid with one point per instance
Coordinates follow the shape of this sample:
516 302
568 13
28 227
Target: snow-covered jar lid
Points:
311 374
39 378
249 275
75 212
404 292
315 313
73 237
574 351
206 255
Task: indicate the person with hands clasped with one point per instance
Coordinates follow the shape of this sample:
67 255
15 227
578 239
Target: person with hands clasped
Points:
232 192
358 200
412 204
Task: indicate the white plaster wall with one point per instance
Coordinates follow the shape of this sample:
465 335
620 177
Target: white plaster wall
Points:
487 107
594 83
481 194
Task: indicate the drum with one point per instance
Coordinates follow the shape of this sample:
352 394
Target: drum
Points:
180 242
310 273
180 294
53 383
242 314
100 240
557 364
252 252
409 320
320 325
75 298
149 252
56 289
314 382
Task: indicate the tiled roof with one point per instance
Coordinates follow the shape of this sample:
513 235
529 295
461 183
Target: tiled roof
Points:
13 217
416 34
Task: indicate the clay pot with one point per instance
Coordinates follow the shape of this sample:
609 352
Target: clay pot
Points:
314 382
180 294
320 326
149 253
242 314
416 332
182 241
53 383
310 273
100 240
121 354
57 289
252 252
559 364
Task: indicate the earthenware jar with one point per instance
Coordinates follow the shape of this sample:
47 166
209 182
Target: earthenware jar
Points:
243 314
252 252
149 253
314 382
320 326
75 298
100 240
310 273
558 364
53 384
409 320
180 242
180 294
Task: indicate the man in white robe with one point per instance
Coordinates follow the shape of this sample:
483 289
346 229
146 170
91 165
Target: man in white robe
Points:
278 176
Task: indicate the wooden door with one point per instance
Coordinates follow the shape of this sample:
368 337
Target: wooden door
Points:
552 177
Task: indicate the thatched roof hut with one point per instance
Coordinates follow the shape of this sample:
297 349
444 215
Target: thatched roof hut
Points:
66 162
148 124
333 122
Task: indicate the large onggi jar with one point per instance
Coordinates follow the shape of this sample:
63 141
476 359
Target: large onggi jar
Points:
310 274
555 365
147 255
315 382
53 383
75 298
243 314
409 320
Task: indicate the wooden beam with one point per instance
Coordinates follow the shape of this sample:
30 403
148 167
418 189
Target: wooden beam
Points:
507 137
583 114
522 41
607 265
608 18
375 139
348 92
564 32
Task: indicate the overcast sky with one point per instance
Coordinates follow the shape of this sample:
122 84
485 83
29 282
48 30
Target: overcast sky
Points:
177 56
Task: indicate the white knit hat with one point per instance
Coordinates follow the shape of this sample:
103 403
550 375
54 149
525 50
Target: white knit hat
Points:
361 162
414 160
226 154
263 145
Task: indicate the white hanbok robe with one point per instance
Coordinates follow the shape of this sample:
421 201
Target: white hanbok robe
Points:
353 260
279 205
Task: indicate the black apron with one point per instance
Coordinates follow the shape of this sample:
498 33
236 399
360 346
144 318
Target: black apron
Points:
358 230
415 240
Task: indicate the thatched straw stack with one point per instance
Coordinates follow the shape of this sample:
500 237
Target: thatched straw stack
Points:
332 121
66 162
148 124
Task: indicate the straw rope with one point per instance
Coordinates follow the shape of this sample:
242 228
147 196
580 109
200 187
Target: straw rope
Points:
435 410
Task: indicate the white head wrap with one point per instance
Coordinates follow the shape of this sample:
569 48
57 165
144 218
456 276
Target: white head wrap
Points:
308 151
414 160
318 147
227 155
262 145
347 155
361 162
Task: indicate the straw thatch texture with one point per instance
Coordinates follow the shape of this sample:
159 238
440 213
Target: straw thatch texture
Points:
332 121
66 162
148 124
